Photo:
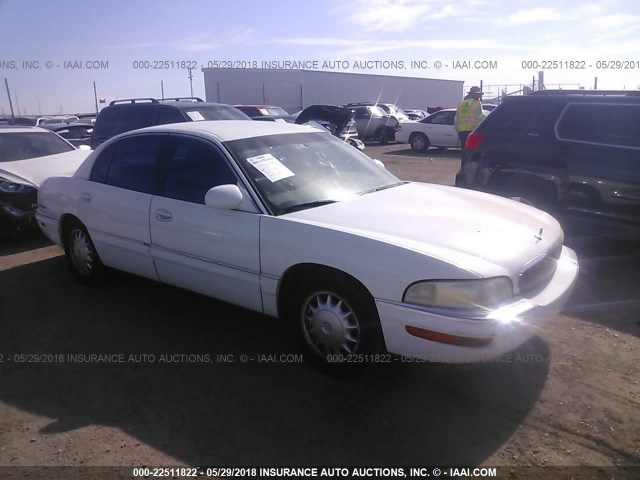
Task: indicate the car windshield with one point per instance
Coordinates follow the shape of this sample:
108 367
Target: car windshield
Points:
214 112
21 145
296 171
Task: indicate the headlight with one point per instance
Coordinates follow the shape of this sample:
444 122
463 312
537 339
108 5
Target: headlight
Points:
485 295
10 187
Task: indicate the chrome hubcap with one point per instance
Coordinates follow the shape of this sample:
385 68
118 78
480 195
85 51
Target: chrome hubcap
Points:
81 254
329 324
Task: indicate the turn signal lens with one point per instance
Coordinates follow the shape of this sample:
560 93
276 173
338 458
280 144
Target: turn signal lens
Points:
448 338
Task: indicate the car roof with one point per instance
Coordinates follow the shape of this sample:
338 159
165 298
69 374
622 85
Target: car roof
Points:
228 130
574 98
52 126
258 106
171 103
18 129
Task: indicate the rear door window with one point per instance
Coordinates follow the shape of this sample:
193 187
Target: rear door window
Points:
512 117
133 165
603 124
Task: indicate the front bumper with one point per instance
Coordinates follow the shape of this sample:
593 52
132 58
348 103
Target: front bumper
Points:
15 217
507 328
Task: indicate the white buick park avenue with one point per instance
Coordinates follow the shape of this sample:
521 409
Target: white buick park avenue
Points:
292 222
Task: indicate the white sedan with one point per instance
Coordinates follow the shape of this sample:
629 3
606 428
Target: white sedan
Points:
435 130
294 223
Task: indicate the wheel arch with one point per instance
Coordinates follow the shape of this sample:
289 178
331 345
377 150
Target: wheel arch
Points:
65 220
291 277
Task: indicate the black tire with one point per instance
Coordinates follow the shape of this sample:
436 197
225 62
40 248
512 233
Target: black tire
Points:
82 258
419 142
381 135
335 320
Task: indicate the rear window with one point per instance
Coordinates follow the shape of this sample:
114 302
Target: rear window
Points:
20 146
615 125
197 113
512 117
75 132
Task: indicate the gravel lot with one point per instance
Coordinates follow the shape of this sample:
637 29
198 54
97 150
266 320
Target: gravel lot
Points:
571 396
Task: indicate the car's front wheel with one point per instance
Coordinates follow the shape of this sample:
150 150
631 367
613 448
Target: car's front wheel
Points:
419 142
81 254
335 323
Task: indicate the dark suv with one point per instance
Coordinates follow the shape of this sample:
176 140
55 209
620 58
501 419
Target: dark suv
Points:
575 150
133 113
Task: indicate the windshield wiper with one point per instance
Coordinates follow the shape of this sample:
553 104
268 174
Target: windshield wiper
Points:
384 187
304 206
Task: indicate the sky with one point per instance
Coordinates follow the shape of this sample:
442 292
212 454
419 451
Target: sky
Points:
52 52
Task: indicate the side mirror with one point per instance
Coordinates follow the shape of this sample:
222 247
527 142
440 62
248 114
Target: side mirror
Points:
378 163
225 197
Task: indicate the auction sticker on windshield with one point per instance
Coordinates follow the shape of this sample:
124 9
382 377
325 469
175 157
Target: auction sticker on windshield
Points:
195 116
270 167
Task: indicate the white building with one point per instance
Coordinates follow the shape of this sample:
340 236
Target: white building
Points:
294 90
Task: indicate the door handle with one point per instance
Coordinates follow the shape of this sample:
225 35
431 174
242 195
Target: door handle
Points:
163 216
85 197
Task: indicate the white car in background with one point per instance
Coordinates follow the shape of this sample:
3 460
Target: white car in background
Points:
435 130
28 156
292 222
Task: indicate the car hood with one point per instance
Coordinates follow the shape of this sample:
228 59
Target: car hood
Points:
34 171
339 116
462 227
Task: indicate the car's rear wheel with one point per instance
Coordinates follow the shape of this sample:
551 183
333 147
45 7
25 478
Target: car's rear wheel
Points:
419 142
335 323
81 254
381 136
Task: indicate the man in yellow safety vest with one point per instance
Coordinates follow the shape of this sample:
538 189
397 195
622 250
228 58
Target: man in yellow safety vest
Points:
468 114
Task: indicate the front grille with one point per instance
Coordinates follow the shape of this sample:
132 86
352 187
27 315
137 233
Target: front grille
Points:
540 272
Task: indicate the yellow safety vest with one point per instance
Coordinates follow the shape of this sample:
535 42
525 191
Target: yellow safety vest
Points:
468 115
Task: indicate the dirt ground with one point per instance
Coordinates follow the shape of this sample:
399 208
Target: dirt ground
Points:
169 393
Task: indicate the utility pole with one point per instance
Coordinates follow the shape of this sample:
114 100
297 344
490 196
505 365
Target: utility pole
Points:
541 80
39 109
6 84
595 83
190 80
15 94
162 88
95 97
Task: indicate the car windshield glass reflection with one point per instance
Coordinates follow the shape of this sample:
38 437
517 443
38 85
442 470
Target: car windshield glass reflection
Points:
19 146
296 171
213 112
